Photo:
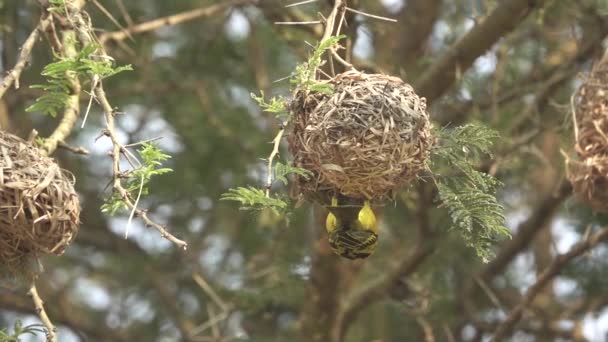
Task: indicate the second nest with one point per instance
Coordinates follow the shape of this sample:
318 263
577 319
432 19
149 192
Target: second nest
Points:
589 172
370 136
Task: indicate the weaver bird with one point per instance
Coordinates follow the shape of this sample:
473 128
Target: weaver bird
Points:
352 229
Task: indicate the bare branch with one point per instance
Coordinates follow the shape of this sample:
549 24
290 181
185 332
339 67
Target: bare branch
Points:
503 19
172 20
314 22
275 151
371 15
39 305
26 50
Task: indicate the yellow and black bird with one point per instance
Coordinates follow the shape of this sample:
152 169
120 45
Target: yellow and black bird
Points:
352 229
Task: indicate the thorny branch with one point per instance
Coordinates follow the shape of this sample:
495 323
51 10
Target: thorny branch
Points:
330 23
60 133
85 36
39 305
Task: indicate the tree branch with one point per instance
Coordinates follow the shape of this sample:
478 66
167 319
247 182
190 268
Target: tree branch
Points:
51 335
172 20
84 32
26 50
526 232
441 75
545 277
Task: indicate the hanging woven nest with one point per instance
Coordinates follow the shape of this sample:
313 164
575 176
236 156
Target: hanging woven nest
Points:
39 209
589 172
370 136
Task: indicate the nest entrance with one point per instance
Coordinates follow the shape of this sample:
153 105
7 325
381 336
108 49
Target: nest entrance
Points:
369 137
39 209
589 174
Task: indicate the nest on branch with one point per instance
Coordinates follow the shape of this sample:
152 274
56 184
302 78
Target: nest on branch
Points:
39 209
370 136
589 173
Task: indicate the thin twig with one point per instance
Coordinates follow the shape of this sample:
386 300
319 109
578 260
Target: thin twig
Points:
448 333
91 97
86 37
26 50
124 12
73 149
171 20
273 154
371 15
214 318
486 289
315 22
300 3
427 329
130 220
330 26
200 281
139 143
51 335
111 17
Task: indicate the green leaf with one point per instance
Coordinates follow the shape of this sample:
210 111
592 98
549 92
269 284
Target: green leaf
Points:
252 198
468 194
19 330
277 105
60 74
281 171
304 76
151 158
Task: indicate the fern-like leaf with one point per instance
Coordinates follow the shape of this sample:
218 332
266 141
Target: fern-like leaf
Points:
281 171
468 194
252 198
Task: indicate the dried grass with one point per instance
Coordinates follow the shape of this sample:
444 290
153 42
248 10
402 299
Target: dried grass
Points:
589 174
39 209
372 135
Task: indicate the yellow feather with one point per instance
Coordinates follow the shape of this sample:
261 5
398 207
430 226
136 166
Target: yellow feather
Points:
331 222
367 218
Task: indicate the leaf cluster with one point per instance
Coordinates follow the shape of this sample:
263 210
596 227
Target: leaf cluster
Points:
19 330
468 194
277 106
252 198
60 73
137 180
304 76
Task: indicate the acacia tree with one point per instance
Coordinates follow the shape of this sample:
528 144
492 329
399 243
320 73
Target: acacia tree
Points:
511 65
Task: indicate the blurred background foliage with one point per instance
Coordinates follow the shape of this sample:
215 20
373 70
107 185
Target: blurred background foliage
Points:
260 278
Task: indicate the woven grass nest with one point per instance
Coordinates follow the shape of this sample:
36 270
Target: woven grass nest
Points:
589 173
39 209
370 136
